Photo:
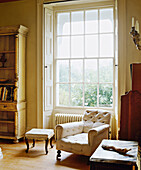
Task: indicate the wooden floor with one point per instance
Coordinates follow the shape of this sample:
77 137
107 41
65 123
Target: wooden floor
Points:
15 158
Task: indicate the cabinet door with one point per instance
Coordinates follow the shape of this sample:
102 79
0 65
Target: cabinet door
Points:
48 68
136 76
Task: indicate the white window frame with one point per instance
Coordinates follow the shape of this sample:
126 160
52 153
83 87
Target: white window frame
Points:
90 6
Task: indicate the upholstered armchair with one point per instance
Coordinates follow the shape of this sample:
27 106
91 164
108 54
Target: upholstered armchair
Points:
83 137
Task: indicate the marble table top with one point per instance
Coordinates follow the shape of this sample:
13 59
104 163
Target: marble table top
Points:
101 155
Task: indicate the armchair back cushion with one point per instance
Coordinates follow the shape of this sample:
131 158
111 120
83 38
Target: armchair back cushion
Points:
95 118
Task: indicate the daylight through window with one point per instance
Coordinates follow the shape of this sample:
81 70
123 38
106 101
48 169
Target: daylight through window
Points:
84 57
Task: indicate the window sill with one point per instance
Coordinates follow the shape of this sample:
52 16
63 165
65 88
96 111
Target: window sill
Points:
80 110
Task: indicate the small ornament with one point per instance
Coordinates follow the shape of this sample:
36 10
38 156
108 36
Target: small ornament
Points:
3 59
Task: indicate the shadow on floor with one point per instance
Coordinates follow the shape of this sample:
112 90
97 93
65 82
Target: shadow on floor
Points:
74 161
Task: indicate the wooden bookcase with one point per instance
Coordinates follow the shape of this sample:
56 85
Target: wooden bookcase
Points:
12 82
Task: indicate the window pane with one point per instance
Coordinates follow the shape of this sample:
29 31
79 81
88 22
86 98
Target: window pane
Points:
77 46
105 95
63 23
106 20
90 95
76 71
77 22
106 45
63 47
106 70
91 46
91 70
76 95
62 94
62 71
91 21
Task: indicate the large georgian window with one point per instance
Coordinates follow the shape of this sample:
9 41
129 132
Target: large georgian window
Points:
84 57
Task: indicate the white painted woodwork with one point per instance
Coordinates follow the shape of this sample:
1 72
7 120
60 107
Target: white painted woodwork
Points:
48 68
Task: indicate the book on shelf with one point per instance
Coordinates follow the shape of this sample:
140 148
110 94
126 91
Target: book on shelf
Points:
1 89
4 94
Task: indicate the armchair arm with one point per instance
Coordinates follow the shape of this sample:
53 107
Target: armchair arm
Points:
66 129
94 133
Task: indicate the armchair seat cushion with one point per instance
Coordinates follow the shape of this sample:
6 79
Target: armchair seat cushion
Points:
81 138
77 144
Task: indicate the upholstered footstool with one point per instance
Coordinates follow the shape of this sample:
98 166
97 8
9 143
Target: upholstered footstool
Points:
39 134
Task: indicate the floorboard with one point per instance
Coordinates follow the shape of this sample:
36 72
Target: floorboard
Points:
15 158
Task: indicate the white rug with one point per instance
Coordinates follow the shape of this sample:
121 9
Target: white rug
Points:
1 155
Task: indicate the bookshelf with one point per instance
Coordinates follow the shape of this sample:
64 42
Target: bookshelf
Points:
12 82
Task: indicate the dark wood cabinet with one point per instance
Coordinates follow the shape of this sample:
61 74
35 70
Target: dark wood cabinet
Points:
130 121
136 76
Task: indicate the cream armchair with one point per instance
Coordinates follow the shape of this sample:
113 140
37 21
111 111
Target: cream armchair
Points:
83 137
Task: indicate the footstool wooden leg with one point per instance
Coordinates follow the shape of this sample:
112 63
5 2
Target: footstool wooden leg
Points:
26 140
33 143
51 142
46 146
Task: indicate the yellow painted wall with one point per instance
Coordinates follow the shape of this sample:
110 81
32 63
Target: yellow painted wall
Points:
24 12
133 55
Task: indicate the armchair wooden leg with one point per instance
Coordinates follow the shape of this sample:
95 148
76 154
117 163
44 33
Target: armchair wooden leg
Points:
26 140
58 154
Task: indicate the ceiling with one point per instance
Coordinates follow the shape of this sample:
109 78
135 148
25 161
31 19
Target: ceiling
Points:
2 1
